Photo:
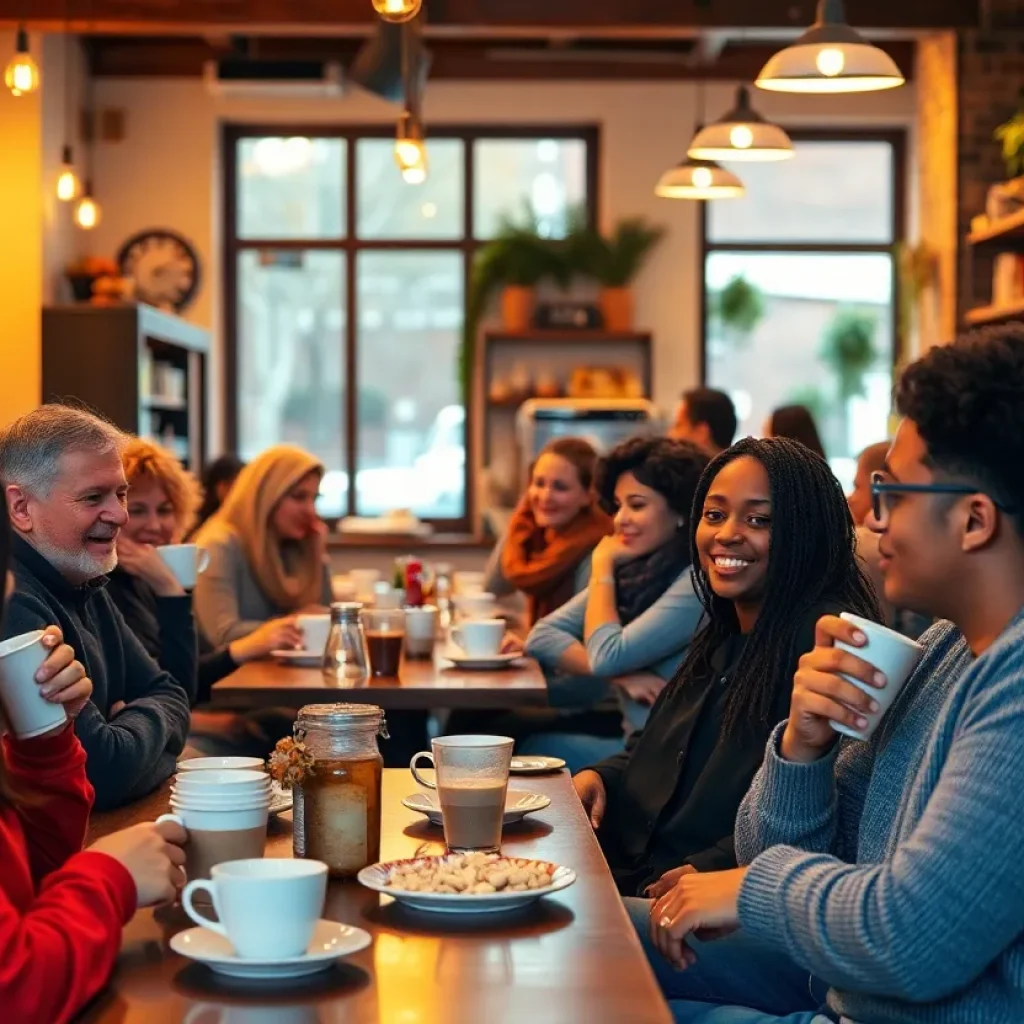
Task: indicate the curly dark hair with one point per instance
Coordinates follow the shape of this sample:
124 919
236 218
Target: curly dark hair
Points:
967 401
672 468
811 560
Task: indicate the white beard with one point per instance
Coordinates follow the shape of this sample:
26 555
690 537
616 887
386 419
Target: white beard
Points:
75 566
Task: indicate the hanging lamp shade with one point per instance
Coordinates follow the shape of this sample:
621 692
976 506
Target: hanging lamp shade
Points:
698 179
741 134
830 57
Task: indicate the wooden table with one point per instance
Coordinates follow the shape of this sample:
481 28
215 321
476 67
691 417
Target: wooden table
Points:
573 957
419 686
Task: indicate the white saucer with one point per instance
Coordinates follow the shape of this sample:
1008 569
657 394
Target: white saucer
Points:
535 764
281 799
518 805
304 659
487 662
331 941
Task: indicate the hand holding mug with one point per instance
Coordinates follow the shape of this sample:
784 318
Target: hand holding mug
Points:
61 677
152 854
142 560
276 635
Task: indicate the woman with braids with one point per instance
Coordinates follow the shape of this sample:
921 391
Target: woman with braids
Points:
773 550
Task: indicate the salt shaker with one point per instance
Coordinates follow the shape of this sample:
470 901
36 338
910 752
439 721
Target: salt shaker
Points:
345 658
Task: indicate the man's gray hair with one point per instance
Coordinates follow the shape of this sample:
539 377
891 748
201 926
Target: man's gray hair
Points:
31 447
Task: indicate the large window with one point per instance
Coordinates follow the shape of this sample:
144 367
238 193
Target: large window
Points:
345 294
799 279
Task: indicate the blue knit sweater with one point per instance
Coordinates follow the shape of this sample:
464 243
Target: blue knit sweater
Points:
892 869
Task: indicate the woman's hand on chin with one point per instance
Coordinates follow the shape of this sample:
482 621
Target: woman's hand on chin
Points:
609 552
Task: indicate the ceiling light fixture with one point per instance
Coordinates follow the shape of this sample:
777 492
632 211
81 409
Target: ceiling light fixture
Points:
698 179
741 134
22 74
397 11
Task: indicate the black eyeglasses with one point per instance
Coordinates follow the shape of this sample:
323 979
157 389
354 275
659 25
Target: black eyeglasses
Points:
880 488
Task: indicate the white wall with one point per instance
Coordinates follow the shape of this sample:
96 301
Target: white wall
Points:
166 171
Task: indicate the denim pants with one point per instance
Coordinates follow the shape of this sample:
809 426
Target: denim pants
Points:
735 981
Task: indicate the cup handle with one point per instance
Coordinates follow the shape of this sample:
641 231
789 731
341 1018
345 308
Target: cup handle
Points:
204 560
202 885
415 773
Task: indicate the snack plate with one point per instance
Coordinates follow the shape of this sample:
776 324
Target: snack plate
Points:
375 877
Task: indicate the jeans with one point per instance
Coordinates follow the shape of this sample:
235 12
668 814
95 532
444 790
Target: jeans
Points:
578 750
765 985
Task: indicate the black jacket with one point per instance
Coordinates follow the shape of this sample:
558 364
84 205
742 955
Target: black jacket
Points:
674 792
131 754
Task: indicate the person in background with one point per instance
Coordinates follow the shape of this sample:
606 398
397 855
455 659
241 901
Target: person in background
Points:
267 548
218 479
887 872
795 421
869 462
772 546
61 909
634 622
545 552
66 494
707 418
162 498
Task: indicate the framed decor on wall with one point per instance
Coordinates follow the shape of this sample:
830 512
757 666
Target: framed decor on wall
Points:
164 266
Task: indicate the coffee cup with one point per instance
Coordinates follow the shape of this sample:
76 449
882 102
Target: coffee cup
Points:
267 908
315 630
206 764
186 562
420 631
479 638
27 711
893 654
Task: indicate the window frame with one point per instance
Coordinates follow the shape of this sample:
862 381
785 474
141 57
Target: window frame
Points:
897 139
350 244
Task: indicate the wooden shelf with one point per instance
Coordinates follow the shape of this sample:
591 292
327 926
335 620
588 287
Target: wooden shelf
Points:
995 314
1006 229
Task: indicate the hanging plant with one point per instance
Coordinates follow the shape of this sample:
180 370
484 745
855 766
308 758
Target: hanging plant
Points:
1011 134
849 348
739 307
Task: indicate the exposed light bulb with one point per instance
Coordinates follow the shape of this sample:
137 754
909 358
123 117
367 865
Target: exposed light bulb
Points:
830 61
397 11
741 136
22 74
87 213
68 186
408 152
415 175
702 177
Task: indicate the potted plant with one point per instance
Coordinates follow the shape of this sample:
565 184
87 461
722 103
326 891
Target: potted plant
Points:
614 261
738 308
1011 135
848 347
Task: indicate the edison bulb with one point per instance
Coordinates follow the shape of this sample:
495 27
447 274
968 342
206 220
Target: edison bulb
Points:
397 11
87 213
67 184
22 74
702 177
408 152
741 136
830 61
414 175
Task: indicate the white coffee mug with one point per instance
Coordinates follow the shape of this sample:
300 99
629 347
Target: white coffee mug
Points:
267 908
186 562
206 764
210 818
894 655
27 711
315 630
479 638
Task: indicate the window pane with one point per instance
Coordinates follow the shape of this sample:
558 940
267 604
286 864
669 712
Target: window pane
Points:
547 175
291 188
829 192
814 329
387 207
291 321
412 451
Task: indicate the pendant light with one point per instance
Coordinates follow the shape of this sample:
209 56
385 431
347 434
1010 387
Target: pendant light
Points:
410 144
741 134
698 179
410 148
87 210
22 74
68 186
830 57
397 11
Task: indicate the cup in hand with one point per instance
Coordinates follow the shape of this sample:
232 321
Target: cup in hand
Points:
27 711
186 562
480 638
420 631
315 630
893 654
267 909
472 779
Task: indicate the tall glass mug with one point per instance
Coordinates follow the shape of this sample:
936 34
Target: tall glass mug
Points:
385 634
472 779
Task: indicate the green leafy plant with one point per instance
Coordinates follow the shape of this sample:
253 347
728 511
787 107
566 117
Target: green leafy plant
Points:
613 261
1011 134
848 347
917 270
738 308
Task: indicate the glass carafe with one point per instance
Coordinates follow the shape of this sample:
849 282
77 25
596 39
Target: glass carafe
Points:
346 663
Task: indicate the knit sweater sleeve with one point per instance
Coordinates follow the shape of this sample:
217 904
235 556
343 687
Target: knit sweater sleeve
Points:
179 650
930 919
216 594
554 634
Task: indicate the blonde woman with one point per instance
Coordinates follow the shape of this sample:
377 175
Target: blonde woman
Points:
267 549
162 502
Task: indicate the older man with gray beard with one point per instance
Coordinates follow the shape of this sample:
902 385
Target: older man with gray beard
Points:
66 493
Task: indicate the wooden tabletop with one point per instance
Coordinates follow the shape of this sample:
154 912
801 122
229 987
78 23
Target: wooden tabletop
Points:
419 686
572 957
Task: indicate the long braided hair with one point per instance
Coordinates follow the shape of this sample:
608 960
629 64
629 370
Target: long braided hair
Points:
811 559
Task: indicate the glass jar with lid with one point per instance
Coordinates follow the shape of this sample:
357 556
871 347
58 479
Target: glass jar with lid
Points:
345 662
336 815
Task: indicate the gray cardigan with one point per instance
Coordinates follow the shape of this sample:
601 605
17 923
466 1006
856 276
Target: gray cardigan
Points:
891 869
228 601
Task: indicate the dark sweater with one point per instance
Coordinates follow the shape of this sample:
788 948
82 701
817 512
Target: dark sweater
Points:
673 793
166 628
131 754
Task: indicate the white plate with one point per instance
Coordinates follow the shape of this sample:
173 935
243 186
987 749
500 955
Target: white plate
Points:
517 805
280 799
485 662
305 659
535 764
374 877
331 941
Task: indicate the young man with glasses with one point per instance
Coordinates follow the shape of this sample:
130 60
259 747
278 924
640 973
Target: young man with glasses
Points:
882 880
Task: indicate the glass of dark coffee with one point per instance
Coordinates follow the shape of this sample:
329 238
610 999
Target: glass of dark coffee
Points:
385 635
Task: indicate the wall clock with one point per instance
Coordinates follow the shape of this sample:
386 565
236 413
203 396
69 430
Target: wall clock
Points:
165 268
